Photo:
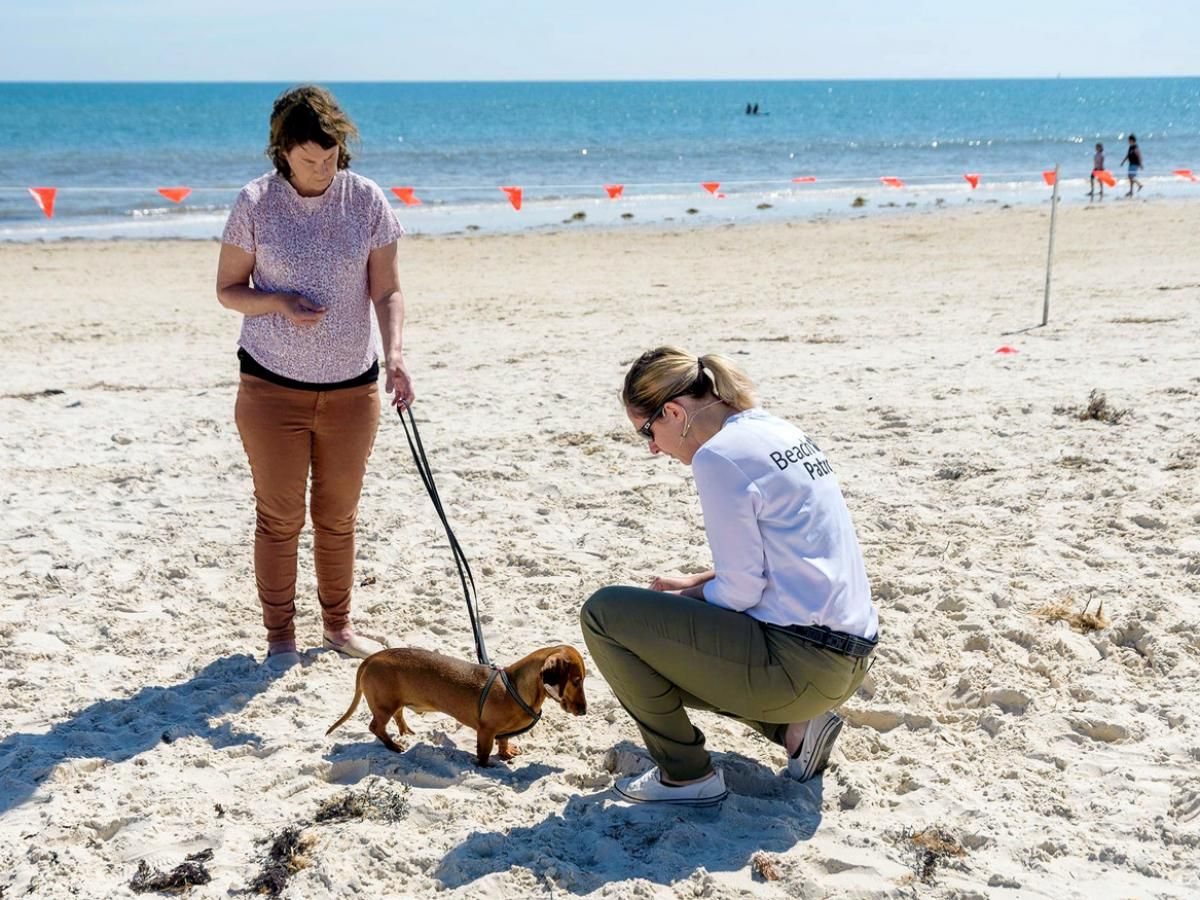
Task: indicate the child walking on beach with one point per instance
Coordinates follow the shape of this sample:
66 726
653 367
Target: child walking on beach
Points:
1134 157
1097 166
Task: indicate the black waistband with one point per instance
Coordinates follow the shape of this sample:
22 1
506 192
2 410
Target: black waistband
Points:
251 366
837 641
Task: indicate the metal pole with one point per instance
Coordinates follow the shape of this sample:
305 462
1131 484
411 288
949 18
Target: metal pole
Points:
1050 252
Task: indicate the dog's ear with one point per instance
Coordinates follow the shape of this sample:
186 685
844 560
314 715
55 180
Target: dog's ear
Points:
555 670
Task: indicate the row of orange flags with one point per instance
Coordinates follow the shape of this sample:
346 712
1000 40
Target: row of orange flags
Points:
45 196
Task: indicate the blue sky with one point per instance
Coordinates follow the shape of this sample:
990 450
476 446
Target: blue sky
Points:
444 40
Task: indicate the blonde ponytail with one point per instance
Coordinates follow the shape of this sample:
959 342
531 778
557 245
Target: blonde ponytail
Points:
667 372
729 383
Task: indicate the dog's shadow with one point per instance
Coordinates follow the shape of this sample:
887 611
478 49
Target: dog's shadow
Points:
118 730
434 763
596 839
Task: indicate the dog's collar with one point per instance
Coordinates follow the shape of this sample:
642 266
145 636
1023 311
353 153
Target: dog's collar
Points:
512 692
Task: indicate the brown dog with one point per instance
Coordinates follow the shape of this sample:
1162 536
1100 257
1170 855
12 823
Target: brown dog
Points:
429 682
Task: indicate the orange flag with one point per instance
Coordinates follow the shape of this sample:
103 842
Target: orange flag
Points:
514 196
972 180
710 186
44 197
175 194
614 190
804 179
405 195
1105 177
1185 173
892 181
1049 176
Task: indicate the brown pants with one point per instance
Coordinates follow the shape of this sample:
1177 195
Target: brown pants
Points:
285 432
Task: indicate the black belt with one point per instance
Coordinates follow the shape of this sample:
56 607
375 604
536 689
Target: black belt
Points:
837 641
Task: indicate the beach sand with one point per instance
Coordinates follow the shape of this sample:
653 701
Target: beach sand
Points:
992 752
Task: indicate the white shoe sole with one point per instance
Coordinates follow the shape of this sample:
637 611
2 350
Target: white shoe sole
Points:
351 651
702 801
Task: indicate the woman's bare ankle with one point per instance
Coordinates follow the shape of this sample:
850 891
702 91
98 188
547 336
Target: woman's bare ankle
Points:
793 737
672 783
339 636
274 648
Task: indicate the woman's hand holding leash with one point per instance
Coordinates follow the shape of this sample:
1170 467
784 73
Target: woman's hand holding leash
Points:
399 383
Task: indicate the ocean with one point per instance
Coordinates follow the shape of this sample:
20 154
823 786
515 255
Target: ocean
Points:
107 147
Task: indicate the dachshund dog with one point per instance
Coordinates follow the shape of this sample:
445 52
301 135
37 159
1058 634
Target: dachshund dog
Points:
430 682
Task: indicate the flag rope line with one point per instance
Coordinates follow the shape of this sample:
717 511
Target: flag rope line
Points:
836 180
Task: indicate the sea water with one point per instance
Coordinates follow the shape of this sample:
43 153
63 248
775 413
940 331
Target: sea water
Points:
107 147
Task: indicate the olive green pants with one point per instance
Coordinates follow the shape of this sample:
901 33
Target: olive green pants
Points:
663 654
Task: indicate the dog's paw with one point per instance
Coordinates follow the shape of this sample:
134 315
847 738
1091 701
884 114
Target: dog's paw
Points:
508 752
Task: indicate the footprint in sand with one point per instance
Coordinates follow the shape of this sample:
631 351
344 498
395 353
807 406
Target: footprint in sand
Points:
1008 700
626 762
977 642
850 799
1185 803
1099 730
885 720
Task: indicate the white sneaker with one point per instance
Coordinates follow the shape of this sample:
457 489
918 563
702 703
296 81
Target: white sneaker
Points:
357 646
649 788
812 756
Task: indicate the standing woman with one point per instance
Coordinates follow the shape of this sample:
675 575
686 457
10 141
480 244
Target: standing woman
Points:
306 253
780 631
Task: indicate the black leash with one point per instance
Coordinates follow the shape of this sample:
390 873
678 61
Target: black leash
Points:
460 558
464 573
512 692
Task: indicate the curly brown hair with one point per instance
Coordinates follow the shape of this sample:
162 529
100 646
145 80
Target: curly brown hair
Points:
304 114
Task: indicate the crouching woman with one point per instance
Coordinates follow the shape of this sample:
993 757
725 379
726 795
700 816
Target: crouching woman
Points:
780 631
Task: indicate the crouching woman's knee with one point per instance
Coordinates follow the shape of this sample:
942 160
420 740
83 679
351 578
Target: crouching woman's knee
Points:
597 609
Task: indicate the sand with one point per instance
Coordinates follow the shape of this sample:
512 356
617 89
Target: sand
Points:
1027 758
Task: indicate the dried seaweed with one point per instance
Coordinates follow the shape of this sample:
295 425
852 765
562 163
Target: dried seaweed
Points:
381 803
286 856
1097 409
1081 620
931 848
765 867
177 881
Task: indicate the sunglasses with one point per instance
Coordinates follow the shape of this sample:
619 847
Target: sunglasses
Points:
646 430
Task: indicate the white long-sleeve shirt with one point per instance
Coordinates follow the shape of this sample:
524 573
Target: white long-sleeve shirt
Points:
783 546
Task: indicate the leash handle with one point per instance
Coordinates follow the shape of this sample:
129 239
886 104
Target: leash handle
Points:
460 558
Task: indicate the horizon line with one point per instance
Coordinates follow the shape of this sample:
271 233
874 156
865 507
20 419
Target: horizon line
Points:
844 79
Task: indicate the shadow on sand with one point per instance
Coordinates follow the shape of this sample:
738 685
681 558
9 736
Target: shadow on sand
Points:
596 840
432 765
118 730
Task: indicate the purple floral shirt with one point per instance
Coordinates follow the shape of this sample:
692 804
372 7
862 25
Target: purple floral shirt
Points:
316 247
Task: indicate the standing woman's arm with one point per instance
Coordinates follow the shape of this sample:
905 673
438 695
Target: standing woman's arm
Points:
383 284
234 268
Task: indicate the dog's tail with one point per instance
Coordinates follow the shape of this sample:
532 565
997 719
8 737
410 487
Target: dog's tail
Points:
358 692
